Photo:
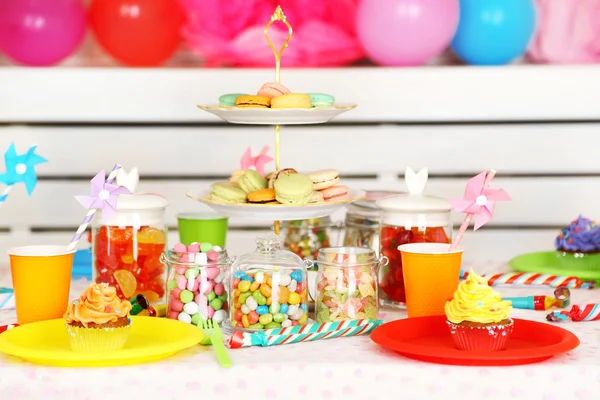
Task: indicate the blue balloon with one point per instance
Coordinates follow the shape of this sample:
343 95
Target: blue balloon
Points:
494 32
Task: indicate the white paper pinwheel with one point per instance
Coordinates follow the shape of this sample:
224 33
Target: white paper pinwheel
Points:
479 200
102 195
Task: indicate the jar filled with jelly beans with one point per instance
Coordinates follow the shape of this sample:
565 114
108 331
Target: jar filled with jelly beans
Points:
306 237
347 284
361 226
197 283
268 287
128 245
408 219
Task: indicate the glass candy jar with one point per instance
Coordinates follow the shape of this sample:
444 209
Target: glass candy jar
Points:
305 237
347 284
128 245
197 285
408 218
361 227
268 287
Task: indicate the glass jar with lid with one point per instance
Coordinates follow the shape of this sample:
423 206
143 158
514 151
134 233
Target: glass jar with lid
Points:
409 218
306 237
197 285
128 245
347 284
268 287
361 227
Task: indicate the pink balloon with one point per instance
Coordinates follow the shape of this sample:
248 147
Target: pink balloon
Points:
41 32
406 32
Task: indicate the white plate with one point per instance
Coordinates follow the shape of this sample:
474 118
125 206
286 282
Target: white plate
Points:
271 116
273 212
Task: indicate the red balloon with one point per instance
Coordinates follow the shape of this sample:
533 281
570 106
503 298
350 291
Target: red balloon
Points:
139 33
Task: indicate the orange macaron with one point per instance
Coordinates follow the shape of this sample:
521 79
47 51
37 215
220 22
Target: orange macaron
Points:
262 196
252 102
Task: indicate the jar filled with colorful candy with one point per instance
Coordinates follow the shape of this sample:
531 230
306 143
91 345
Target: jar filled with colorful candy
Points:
128 245
408 219
361 227
197 283
347 284
268 287
306 237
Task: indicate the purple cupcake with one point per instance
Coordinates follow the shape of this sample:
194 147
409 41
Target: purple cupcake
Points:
581 236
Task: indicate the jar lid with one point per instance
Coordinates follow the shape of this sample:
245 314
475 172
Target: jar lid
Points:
368 206
144 201
414 201
346 256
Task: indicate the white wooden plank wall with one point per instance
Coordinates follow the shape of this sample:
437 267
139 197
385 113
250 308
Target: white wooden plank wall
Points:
547 161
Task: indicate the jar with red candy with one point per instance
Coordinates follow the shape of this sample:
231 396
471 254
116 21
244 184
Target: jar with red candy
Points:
128 245
409 218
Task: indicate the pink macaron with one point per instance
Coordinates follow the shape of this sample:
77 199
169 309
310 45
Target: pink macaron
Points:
273 89
335 193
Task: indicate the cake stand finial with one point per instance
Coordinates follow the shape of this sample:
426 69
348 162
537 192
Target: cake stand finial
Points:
278 15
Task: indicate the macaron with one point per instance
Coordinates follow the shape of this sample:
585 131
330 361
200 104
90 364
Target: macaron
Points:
324 178
292 100
273 89
235 175
249 101
225 192
335 193
317 197
228 100
321 100
293 189
262 196
251 181
273 176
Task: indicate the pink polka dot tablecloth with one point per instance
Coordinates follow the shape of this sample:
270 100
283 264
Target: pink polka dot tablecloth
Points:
343 368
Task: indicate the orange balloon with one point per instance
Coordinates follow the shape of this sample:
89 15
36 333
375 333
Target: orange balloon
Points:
138 33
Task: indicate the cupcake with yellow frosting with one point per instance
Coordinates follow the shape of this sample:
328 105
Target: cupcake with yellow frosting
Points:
478 318
98 321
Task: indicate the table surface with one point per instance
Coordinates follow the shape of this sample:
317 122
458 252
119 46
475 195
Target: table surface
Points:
352 367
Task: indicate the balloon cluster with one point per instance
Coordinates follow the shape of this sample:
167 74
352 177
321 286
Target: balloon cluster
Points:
46 32
412 32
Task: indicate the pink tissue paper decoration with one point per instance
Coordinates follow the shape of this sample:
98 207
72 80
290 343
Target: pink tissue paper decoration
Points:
568 32
257 162
231 32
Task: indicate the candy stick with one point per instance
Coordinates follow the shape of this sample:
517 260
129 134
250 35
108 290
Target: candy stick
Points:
535 279
469 217
587 312
88 218
303 333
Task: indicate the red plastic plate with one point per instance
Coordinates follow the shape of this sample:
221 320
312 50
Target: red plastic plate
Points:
428 339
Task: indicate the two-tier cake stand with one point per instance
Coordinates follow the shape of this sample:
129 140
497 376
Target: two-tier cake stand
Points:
276 118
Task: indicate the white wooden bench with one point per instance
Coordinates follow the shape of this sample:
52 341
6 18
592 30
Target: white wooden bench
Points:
536 125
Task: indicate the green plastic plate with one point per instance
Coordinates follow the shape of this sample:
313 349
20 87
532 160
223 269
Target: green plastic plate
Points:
586 267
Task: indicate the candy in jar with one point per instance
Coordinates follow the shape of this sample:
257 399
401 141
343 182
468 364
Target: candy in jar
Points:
268 288
305 237
361 227
409 218
196 284
347 284
128 245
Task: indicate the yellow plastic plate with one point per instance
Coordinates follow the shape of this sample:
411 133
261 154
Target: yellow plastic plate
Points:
150 339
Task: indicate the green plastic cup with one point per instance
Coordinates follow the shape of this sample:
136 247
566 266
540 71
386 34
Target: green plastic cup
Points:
201 227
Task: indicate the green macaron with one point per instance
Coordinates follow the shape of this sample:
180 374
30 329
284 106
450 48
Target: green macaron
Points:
228 100
225 192
293 189
252 181
321 100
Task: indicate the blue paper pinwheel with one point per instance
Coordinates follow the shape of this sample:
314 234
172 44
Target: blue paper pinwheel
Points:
20 169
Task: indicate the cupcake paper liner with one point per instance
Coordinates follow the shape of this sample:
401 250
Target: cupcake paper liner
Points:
481 338
97 340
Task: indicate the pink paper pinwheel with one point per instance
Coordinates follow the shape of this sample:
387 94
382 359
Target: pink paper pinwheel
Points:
103 195
479 201
257 162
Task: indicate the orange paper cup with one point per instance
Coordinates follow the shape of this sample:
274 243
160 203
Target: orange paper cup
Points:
41 277
431 276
